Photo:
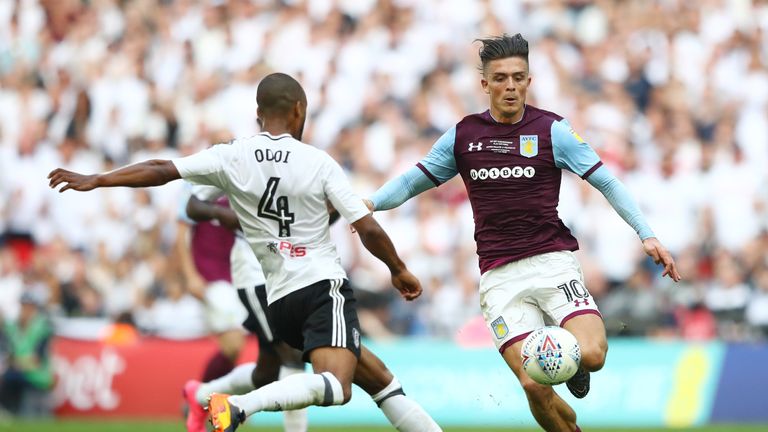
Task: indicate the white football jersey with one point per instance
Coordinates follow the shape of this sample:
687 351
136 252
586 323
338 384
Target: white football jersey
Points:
245 267
278 187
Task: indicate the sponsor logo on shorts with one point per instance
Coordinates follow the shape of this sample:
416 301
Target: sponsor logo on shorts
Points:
356 337
500 328
503 172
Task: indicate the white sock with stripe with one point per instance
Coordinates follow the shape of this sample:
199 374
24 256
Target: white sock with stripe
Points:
294 420
238 381
292 393
403 412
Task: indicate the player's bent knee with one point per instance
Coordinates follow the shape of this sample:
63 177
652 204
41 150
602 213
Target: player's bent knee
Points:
537 393
346 393
593 357
334 393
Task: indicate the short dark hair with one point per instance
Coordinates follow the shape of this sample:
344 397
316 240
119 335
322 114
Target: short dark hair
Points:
278 93
500 47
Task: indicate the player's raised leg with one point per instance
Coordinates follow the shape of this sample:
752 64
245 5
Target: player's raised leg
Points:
589 331
404 413
564 297
514 304
551 412
331 384
320 320
236 382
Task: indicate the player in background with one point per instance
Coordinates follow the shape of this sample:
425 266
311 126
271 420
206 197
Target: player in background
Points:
204 250
276 359
278 187
510 158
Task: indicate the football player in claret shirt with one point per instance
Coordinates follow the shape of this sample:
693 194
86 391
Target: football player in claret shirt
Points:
510 158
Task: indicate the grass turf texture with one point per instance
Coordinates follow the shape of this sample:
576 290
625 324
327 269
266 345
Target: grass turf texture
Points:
132 426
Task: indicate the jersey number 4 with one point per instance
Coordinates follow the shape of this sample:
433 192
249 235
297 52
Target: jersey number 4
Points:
280 212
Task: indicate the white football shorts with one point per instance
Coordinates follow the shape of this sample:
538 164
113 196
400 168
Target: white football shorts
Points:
223 309
524 295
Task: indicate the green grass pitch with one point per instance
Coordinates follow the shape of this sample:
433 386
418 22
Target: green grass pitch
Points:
159 426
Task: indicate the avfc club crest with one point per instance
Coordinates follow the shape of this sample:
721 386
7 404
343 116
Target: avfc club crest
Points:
500 328
529 145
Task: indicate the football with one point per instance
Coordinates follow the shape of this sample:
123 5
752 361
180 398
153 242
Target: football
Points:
551 355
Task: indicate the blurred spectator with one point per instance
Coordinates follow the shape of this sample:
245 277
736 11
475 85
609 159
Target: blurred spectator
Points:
635 305
26 381
757 310
728 295
696 323
173 314
672 94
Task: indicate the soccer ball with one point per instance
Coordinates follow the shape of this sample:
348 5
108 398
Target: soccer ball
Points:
551 355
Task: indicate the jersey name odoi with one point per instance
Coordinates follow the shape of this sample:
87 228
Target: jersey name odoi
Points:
270 155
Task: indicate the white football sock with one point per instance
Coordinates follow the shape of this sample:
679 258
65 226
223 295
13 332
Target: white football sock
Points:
238 381
403 412
294 392
295 420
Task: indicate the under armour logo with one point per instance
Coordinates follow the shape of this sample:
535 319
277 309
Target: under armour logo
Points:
473 147
580 302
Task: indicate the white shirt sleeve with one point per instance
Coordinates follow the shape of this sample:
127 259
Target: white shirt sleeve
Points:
205 167
206 192
340 194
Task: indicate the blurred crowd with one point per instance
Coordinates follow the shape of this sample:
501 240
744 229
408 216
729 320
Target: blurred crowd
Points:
673 95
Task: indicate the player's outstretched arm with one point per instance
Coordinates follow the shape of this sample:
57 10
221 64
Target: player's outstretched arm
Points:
574 154
201 211
621 201
378 243
149 173
399 190
437 167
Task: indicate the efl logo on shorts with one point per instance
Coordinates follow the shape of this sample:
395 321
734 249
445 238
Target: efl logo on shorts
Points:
529 145
500 328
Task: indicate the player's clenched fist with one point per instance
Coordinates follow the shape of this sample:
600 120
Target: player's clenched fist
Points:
408 285
73 180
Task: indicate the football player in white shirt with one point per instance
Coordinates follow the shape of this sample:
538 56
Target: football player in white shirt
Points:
278 187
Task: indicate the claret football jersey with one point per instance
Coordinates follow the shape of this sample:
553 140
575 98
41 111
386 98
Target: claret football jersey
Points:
278 187
512 174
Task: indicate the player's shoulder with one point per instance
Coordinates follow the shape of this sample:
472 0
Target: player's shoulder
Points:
537 113
481 117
